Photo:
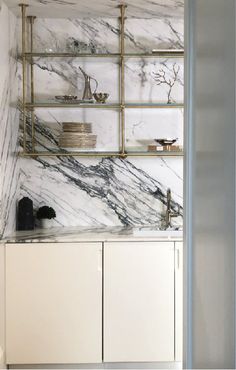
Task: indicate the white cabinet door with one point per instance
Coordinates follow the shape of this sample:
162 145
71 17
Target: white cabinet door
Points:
179 301
139 302
54 303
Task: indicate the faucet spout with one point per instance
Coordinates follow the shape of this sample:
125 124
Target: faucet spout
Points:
169 213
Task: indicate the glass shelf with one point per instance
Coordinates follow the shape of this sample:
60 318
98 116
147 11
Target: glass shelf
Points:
154 105
158 54
69 55
178 53
64 153
155 154
71 105
54 104
102 154
144 152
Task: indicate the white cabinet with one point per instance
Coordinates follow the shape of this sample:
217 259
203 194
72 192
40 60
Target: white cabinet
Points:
54 303
139 305
178 301
74 303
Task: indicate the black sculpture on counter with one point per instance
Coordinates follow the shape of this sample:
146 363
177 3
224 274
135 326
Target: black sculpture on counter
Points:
25 214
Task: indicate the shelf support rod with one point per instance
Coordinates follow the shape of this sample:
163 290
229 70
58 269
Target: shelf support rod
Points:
31 21
122 78
23 19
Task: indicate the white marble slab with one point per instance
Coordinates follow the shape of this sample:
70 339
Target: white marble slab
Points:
9 120
103 8
94 192
103 192
107 191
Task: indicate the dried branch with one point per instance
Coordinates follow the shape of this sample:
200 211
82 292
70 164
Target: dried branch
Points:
161 79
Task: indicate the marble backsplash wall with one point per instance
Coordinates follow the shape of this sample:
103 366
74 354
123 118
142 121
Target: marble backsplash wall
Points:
102 8
107 191
9 120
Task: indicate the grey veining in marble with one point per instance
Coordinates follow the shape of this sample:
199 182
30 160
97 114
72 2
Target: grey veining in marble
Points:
102 8
107 191
100 192
9 120
102 34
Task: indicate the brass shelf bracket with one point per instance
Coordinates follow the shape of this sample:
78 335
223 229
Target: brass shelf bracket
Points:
32 94
122 77
24 88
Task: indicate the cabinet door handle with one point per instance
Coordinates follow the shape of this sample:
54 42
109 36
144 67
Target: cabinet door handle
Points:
100 256
177 259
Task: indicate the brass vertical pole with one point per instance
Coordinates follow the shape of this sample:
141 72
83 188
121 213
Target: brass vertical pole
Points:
122 77
23 15
31 20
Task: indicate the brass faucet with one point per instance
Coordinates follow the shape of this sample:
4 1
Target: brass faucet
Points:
169 213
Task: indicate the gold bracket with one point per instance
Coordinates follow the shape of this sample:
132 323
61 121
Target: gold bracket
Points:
23 16
31 22
122 79
31 18
123 155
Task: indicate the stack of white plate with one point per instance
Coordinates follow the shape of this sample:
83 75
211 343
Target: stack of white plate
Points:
83 128
77 135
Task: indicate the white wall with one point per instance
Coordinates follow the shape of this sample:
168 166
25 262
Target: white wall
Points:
210 164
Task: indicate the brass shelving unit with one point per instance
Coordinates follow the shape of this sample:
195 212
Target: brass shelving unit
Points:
28 107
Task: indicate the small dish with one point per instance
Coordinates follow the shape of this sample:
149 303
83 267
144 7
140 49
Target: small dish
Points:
66 98
165 142
101 97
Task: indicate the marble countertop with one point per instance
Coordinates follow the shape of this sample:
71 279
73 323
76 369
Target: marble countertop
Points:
92 234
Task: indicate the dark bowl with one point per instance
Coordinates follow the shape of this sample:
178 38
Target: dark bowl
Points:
165 142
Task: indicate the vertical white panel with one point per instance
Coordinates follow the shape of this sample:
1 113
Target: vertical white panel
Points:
138 302
2 306
210 180
54 303
179 302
